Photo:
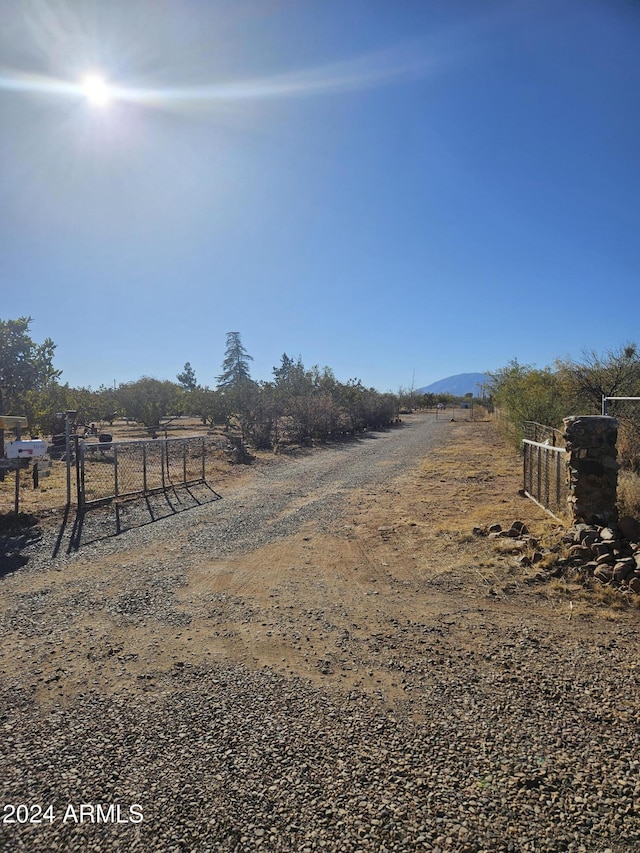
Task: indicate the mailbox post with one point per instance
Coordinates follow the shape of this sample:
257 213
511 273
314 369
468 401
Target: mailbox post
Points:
14 460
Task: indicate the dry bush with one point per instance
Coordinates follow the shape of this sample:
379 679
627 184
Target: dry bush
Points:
629 444
629 494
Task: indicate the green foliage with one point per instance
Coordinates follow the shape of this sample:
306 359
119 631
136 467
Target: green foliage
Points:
524 393
235 367
147 400
425 401
187 379
24 365
211 405
300 404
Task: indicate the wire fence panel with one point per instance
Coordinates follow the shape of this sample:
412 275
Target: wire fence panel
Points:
120 470
545 475
542 433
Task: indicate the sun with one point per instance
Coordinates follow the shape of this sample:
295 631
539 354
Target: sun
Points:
96 90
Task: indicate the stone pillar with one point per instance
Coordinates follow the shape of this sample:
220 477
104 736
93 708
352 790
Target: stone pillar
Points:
592 468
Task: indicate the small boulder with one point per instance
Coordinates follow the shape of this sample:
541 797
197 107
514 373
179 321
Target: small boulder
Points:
630 528
607 559
634 585
623 569
580 552
607 534
603 573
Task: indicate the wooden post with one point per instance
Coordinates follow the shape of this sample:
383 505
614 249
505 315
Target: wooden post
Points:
204 473
16 502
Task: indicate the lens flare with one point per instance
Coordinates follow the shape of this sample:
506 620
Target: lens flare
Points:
96 90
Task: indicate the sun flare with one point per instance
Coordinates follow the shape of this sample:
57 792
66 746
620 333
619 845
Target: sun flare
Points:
96 90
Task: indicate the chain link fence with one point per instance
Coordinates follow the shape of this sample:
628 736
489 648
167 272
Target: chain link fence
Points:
126 469
545 467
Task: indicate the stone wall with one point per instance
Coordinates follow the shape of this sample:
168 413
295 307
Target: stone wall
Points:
592 468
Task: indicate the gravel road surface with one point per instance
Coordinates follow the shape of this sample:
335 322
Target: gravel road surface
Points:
282 494
517 732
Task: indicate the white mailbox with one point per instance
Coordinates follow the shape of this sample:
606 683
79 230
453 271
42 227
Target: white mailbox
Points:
33 449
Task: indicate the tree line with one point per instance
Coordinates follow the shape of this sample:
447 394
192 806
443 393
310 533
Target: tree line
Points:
297 404
574 387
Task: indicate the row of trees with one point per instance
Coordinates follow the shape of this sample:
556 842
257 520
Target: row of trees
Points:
570 387
297 404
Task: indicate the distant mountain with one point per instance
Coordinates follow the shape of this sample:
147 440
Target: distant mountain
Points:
458 385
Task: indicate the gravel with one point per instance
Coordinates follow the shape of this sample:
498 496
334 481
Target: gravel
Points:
519 736
284 494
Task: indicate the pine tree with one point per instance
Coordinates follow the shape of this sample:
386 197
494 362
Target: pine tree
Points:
187 379
235 367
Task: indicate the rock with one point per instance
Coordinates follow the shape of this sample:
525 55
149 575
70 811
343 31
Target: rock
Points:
634 585
623 569
589 537
606 559
580 551
603 573
629 528
601 548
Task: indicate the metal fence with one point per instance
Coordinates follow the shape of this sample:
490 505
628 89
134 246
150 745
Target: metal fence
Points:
545 467
545 434
126 469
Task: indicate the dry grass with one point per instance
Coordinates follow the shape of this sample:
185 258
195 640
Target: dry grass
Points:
471 481
629 494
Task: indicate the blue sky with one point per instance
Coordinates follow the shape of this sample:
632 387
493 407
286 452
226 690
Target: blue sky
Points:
387 187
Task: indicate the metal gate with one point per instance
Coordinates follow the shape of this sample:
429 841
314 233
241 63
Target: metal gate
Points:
126 469
545 468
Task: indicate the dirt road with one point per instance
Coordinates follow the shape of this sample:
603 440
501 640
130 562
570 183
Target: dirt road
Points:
325 659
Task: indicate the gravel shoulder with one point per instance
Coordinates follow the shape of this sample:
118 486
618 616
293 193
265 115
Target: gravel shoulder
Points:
323 659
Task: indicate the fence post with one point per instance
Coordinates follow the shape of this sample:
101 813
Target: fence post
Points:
79 451
184 462
593 468
144 467
115 470
547 484
204 477
16 497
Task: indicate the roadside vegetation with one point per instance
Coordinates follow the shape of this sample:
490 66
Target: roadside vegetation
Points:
522 393
297 405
